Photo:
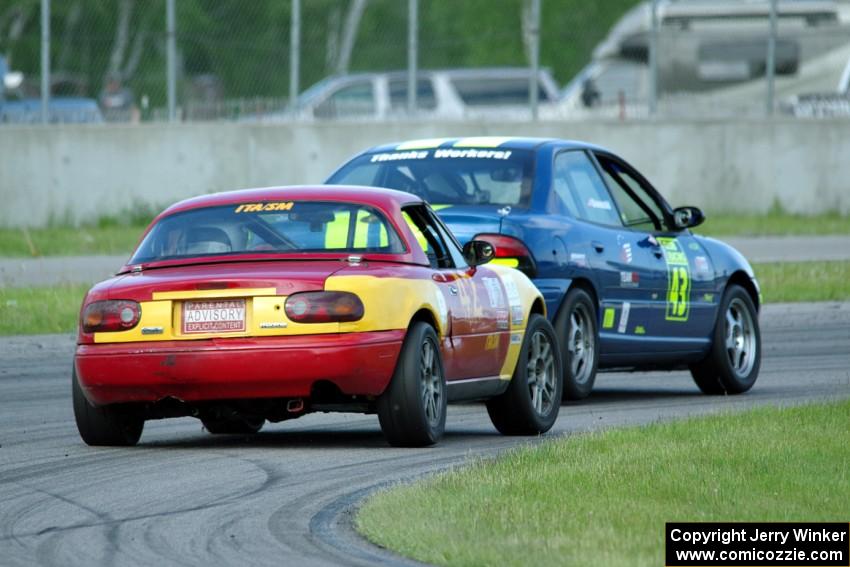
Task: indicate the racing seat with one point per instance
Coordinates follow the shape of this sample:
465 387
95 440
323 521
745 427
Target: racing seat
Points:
395 179
207 240
446 187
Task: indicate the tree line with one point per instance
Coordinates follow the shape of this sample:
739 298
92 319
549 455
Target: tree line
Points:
243 45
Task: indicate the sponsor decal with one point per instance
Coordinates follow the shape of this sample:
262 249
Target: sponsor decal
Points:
273 325
639 330
152 330
608 318
398 156
512 291
626 253
708 298
701 264
654 296
693 246
502 320
426 144
481 142
516 338
264 207
492 342
624 317
214 316
579 260
629 279
471 154
516 314
599 204
442 309
494 291
678 280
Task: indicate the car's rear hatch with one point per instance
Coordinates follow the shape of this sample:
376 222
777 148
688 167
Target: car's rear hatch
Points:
219 300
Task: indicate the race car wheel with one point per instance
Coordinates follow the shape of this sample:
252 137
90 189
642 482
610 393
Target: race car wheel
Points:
103 426
412 410
733 364
530 404
233 426
579 340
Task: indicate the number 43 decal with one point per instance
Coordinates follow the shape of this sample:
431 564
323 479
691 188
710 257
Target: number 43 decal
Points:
678 280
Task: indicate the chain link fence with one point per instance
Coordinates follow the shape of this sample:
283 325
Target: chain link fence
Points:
108 60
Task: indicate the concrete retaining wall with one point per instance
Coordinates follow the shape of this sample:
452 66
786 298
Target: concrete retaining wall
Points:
77 173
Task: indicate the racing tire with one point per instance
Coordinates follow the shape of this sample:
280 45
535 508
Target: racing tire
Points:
234 425
733 363
531 403
576 327
105 426
412 410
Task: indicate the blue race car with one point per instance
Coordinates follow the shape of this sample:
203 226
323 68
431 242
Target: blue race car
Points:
626 283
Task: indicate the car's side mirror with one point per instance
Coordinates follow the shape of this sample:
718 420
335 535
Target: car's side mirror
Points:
687 217
477 252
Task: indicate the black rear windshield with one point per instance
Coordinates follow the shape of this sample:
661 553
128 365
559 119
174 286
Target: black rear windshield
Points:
282 227
447 176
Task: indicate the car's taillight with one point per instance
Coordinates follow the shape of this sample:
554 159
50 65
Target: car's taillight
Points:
511 252
324 307
110 315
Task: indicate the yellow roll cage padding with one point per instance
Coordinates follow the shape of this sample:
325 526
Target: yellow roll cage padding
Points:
338 231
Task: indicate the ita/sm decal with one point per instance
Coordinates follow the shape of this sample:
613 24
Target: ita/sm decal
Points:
678 280
264 207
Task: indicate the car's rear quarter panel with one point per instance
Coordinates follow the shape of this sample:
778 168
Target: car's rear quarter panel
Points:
523 300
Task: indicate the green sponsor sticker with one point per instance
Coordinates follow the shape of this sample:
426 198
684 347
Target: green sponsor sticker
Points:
608 318
678 280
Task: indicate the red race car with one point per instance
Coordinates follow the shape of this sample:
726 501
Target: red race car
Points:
268 304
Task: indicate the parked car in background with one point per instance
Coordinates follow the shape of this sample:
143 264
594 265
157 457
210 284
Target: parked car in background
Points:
444 94
65 110
269 304
627 285
823 104
17 108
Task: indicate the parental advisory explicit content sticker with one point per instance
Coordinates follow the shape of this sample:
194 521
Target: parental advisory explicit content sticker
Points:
747 544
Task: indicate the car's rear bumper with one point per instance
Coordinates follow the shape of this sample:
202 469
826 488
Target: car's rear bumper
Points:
238 368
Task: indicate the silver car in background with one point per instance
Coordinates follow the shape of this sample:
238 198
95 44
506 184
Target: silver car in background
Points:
445 94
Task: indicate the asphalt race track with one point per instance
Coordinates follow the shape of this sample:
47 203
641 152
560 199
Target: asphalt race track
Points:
285 496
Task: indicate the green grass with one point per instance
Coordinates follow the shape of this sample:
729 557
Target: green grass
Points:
27 311
804 281
603 498
108 234
69 241
774 223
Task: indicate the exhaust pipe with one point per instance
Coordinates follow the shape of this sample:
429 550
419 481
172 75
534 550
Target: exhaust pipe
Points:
295 406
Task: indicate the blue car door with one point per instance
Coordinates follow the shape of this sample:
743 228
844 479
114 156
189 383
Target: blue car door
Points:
624 267
683 284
